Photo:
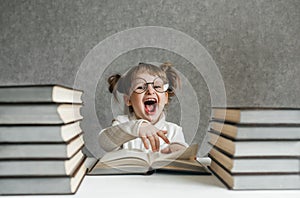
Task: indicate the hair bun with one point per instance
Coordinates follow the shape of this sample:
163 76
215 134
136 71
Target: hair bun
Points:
166 65
112 81
172 76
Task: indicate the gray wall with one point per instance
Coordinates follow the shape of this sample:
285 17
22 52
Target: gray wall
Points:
255 45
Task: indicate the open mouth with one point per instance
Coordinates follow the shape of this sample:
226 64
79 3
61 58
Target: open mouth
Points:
150 105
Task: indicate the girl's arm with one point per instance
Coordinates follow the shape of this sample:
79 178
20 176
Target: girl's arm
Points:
113 137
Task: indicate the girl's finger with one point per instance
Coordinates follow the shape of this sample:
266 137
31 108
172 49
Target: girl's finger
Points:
156 142
152 142
161 134
144 140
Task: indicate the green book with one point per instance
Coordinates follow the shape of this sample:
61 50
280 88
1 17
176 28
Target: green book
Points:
39 94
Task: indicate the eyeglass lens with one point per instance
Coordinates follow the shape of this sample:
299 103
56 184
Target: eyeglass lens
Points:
140 85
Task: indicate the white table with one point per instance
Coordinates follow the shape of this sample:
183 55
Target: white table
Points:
164 185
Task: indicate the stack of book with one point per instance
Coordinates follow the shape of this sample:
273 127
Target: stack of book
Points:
40 140
256 148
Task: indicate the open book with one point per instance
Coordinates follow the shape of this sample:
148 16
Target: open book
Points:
139 162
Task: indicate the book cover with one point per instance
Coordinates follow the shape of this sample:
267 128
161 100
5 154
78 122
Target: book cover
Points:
256 164
253 181
284 148
39 94
257 131
14 114
257 115
39 133
41 150
40 167
43 185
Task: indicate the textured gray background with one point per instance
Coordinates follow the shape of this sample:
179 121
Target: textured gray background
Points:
254 43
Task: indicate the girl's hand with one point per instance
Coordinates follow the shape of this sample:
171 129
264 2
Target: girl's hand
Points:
173 147
149 132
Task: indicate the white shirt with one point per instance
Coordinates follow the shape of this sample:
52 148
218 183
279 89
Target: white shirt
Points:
124 134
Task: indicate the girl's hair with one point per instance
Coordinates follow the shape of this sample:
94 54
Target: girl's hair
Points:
165 71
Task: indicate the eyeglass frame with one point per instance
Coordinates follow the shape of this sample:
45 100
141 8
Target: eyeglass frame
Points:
152 83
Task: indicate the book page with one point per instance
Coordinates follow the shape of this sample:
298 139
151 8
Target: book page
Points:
124 154
186 154
183 161
122 162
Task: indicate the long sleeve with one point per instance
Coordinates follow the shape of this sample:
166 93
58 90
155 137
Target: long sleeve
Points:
124 133
113 137
178 137
175 133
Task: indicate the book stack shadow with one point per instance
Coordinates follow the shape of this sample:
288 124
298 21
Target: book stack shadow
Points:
256 148
40 140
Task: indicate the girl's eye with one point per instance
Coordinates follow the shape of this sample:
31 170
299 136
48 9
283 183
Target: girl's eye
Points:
140 87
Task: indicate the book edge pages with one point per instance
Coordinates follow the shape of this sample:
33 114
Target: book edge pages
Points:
71 164
79 176
232 115
69 112
222 143
224 176
229 130
62 95
68 131
223 159
75 145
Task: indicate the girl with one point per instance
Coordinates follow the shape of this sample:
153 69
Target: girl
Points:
147 90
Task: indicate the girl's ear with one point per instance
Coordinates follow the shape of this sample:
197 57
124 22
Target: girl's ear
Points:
167 96
127 100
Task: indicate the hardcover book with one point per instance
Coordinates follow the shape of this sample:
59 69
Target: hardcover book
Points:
287 148
40 167
41 150
254 181
39 133
256 164
256 131
39 94
17 114
25 185
257 115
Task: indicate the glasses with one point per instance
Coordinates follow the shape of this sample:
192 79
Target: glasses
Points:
140 85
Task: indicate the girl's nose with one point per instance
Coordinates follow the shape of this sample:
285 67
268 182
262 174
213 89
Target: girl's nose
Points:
150 89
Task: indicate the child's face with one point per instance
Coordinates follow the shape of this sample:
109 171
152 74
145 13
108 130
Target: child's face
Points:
150 104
